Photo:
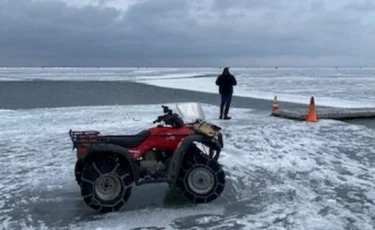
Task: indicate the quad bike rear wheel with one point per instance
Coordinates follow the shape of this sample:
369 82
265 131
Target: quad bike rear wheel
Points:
78 171
201 178
106 185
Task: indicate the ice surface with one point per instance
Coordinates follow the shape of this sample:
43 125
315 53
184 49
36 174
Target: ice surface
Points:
346 92
281 174
100 74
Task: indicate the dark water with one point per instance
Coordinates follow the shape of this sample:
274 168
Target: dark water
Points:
39 94
36 94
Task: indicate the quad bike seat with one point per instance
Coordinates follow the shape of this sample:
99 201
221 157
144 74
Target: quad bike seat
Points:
128 141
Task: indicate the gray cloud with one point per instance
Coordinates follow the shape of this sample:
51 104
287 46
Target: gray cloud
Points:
187 32
363 6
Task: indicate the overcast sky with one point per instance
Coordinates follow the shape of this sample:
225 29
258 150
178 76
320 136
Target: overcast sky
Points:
186 32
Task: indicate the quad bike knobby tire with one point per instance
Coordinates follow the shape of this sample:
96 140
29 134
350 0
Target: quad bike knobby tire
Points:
78 171
201 178
106 185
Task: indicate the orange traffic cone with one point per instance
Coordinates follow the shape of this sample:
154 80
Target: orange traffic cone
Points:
312 116
275 105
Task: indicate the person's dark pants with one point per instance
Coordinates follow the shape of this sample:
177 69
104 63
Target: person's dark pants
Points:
225 105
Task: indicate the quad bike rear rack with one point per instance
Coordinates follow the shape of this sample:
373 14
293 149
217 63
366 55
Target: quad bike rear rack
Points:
90 136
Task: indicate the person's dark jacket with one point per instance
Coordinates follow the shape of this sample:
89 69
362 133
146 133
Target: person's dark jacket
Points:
226 81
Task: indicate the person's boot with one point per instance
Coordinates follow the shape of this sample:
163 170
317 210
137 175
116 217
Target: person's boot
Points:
221 111
226 113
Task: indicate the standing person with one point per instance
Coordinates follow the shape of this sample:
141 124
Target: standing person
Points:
225 81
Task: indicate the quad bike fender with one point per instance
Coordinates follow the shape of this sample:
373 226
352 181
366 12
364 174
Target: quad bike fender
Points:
181 151
96 150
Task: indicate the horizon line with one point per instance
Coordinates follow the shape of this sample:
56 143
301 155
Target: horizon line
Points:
268 66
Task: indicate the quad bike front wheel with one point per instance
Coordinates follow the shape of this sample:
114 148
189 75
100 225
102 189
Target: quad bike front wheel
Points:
106 186
201 179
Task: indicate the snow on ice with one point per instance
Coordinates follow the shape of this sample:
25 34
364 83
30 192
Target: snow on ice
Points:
281 174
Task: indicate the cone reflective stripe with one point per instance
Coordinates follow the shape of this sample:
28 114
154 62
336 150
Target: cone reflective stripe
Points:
275 105
312 116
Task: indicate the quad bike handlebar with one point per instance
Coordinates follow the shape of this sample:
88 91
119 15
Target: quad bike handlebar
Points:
159 119
169 118
167 110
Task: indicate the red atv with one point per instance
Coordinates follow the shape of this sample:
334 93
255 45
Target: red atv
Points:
109 165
